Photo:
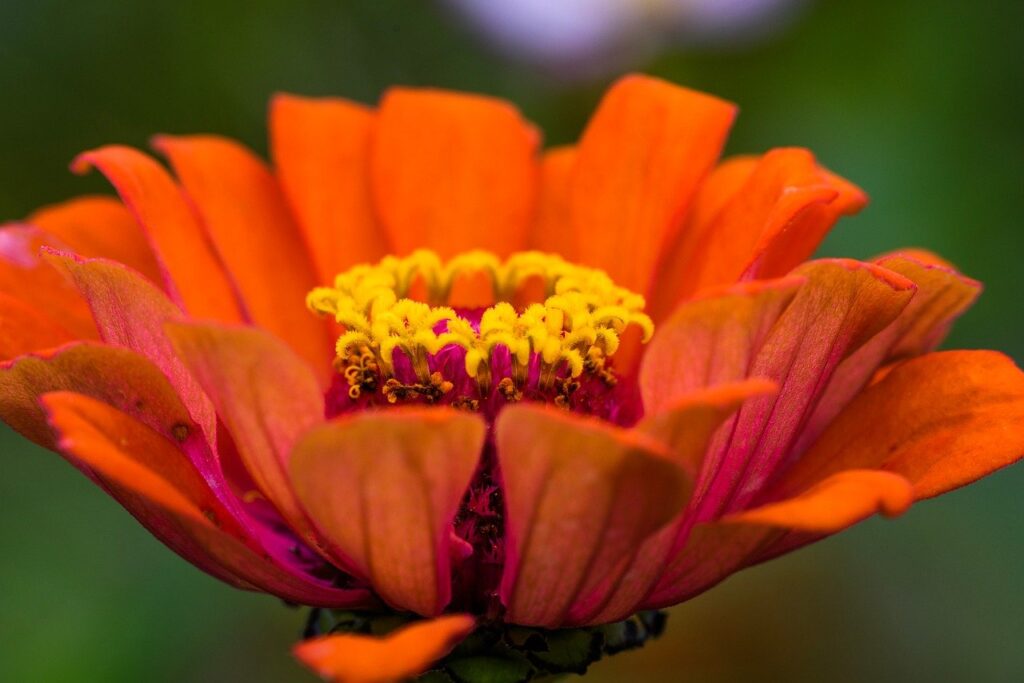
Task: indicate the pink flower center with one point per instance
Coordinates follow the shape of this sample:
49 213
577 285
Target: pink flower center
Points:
396 350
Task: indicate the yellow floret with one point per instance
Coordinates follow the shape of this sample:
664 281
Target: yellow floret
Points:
582 310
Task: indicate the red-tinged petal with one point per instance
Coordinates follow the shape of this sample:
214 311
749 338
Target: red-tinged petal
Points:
842 306
25 277
251 227
713 551
552 232
685 429
938 422
453 172
383 489
686 424
99 227
134 385
141 470
581 496
834 503
676 262
942 296
399 656
196 276
638 165
321 150
24 329
157 484
150 466
131 312
265 395
117 376
941 420
712 340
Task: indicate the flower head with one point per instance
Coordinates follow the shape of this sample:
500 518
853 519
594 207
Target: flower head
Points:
421 369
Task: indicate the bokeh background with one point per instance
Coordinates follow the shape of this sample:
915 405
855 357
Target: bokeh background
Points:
920 102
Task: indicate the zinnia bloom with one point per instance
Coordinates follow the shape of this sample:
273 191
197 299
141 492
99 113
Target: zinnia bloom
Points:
422 369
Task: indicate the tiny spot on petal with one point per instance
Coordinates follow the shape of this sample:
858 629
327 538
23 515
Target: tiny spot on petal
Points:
180 432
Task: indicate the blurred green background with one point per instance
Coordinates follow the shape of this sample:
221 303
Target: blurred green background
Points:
919 102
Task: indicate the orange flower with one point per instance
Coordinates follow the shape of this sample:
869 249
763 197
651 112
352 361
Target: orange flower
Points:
473 425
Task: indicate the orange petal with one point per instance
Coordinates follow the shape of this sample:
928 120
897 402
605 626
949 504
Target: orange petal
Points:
834 503
99 227
784 184
716 550
399 656
720 187
938 422
321 148
383 488
131 312
252 229
552 232
25 277
759 228
780 251
154 481
942 296
265 395
685 429
197 278
144 463
117 376
24 329
941 420
712 340
141 470
843 305
453 172
638 164
922 256
677 259
581 496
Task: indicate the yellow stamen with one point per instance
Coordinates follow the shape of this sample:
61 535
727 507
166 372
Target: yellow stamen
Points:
581 318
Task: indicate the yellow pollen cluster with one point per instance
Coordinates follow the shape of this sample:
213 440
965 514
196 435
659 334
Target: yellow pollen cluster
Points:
579 323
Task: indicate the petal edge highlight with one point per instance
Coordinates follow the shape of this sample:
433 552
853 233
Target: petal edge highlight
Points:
834 503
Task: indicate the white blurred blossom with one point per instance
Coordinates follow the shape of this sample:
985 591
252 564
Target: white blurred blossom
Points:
591 37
